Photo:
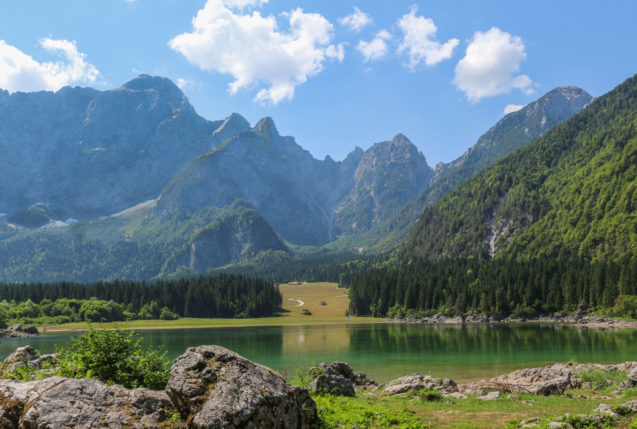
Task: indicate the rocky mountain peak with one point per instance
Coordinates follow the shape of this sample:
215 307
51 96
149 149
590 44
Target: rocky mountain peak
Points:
266 128
230 127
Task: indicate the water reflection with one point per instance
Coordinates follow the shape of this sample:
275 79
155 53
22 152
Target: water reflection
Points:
385 351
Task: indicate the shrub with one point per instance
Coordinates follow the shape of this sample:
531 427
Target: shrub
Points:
166 314
114 357
626 305
306 312
430 396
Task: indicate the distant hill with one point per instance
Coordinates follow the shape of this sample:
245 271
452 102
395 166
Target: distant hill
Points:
571 192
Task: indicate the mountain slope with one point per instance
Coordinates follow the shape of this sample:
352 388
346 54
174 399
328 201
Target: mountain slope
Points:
512 132
307 201
572 191
388 176
82 153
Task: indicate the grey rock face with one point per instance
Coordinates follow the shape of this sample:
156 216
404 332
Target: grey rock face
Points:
72 403
415 382
306 201
82 153
343 370
388 176
333 384
217 388
554 379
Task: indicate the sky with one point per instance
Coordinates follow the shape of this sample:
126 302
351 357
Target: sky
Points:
333 74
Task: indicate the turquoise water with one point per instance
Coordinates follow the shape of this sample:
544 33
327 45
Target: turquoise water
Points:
386 351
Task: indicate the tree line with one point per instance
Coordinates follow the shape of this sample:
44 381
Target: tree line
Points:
224 296
499 286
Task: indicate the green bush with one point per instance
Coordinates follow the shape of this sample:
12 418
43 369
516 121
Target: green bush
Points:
306 312
166 314
114 357
626 305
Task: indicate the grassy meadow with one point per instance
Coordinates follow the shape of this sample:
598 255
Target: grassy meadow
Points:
310 295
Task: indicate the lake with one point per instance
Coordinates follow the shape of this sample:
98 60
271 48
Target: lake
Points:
386 351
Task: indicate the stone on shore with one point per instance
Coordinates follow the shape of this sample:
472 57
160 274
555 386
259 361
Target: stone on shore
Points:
216 388
58 402
339 379
416 382
334 385
554 379
17 331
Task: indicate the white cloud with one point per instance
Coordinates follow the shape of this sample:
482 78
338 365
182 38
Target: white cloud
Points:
20 72
376 48
185 82
489 66
252 49
357 20
240 4
510 108
418 41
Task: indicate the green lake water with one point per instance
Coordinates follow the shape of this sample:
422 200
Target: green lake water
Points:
386 351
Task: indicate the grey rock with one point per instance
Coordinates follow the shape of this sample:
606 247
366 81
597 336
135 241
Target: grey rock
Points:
554 379
415 382
17 331
333 384
342 369
217 388
71 403
491 396
455 395
632 376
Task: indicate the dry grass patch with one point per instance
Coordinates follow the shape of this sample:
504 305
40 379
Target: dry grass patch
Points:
311 295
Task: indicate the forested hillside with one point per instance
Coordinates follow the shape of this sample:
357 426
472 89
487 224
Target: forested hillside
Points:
573 191
552 227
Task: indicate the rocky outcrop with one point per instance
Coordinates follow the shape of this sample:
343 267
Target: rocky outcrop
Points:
554 379
209 387
216 388
58 402
339 379
333 384
416 382
17 331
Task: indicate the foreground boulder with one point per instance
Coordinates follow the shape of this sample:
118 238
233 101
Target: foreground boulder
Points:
216 388
416 382
58 402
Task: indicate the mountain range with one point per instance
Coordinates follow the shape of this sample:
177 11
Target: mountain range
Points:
133 183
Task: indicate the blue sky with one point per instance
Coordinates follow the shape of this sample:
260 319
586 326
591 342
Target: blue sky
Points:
441 72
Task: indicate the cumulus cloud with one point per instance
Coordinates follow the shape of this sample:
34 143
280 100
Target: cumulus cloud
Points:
376 48
20 72
490 65
356 21
419 41
252 49
510 108
241 4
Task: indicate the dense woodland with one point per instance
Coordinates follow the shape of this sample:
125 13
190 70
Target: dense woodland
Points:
499 286
574 188
221 296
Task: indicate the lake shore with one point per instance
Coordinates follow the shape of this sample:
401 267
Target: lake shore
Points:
192 323
579 321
